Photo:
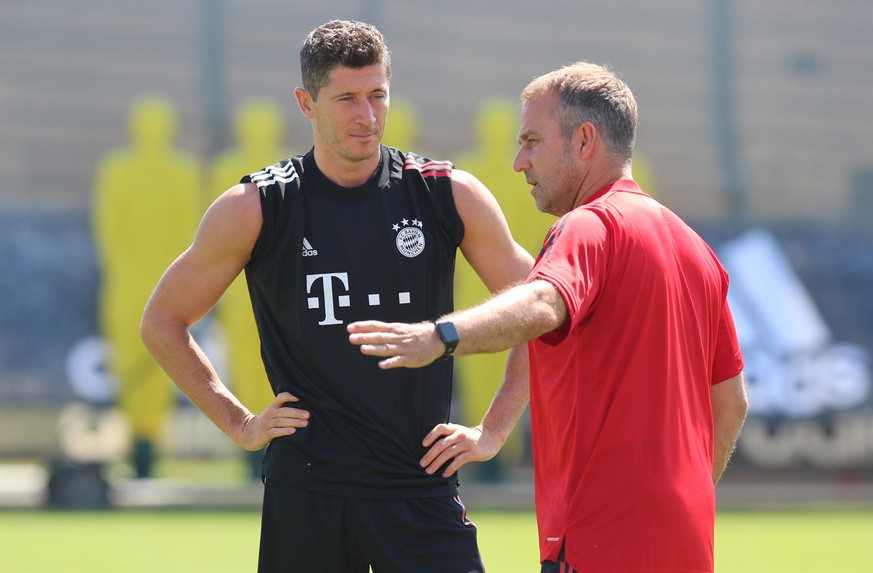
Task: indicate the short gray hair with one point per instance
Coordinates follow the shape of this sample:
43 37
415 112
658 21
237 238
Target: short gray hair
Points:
590 93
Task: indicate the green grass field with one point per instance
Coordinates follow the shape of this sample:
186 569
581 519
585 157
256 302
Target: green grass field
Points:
219 542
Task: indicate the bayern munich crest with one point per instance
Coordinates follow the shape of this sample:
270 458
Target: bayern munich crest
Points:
410 238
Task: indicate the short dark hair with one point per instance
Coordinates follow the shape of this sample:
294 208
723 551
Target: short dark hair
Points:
590 92
340 43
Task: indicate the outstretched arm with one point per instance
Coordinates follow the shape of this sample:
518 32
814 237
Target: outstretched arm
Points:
508 319
188 290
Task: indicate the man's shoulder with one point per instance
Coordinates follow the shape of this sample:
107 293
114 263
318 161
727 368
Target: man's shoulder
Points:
277 178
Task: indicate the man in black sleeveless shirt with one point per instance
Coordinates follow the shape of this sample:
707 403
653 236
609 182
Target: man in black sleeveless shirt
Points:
349 230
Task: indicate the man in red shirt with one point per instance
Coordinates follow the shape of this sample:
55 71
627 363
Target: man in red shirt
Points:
636 389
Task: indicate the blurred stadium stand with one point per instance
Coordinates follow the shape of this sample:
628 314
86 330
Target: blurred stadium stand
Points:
797 74
801 71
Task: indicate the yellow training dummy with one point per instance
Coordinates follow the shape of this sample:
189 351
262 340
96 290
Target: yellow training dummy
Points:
146 210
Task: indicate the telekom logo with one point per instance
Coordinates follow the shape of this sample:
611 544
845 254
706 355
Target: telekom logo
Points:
332 300
327 281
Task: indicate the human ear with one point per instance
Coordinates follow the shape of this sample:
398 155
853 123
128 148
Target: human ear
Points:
585 138
304 100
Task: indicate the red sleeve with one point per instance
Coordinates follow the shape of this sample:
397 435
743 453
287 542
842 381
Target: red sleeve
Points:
728 359
573 260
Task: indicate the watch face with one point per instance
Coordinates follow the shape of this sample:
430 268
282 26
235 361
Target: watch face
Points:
449 335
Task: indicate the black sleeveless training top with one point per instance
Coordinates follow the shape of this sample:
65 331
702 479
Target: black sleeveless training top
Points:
327 256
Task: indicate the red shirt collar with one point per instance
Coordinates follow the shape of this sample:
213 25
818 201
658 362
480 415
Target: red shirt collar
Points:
618 185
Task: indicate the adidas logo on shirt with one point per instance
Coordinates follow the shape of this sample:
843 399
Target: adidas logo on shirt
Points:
308 251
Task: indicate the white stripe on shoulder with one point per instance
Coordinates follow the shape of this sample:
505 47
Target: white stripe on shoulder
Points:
275 174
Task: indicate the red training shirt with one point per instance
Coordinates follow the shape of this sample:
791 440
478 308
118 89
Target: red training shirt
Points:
620 394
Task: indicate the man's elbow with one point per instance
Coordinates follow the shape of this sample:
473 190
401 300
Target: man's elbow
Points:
153 327
147 329
548 307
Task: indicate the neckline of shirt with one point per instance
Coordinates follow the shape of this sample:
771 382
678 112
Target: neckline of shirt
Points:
356 194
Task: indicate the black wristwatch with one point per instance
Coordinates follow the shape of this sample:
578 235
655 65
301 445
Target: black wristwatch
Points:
449 335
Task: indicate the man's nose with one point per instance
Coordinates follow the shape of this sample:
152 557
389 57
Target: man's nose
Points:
520 162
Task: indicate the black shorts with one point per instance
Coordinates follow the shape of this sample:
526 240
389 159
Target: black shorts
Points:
310 532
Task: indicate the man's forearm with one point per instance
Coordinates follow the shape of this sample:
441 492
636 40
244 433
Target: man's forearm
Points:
511 398
505 321
190 369
509 319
